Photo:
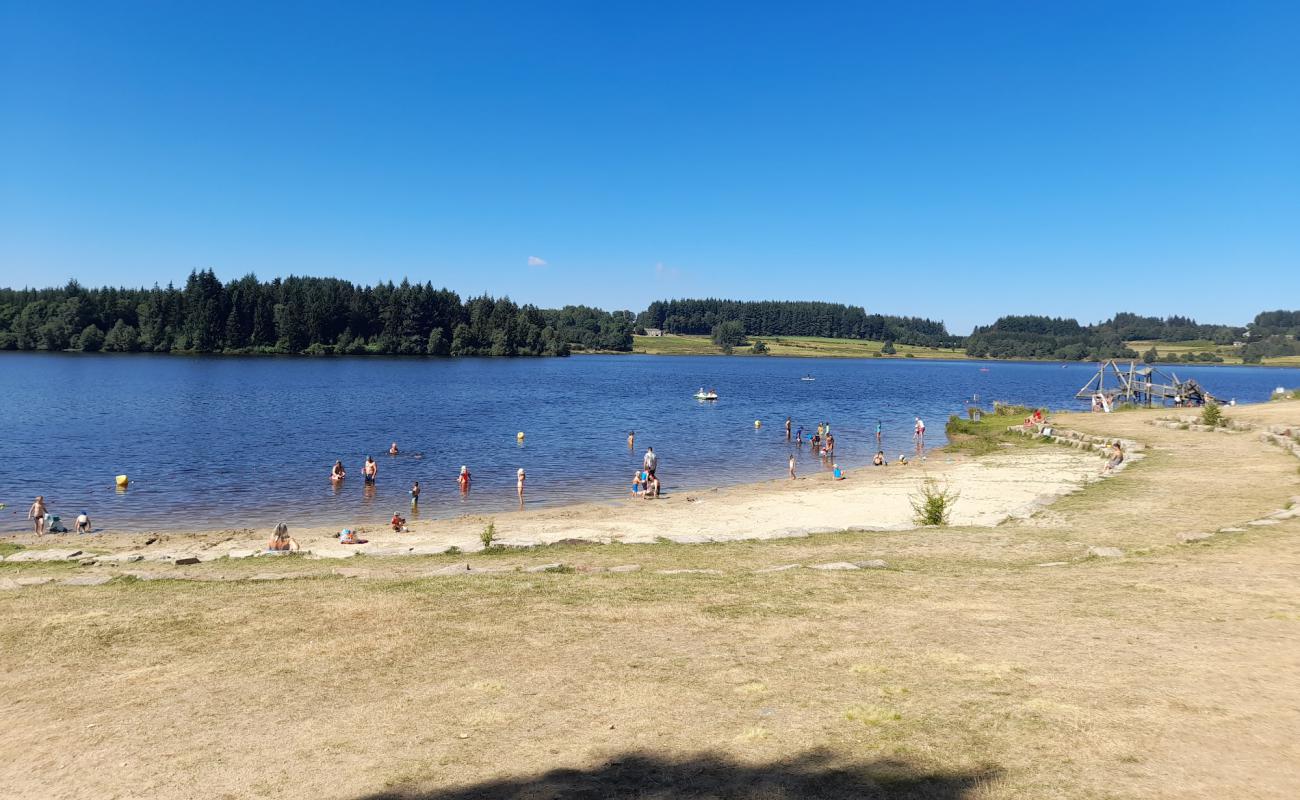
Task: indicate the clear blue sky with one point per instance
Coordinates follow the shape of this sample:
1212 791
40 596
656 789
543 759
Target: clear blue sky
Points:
955 160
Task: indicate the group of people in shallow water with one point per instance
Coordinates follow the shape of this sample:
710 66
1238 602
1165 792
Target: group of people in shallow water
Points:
822 443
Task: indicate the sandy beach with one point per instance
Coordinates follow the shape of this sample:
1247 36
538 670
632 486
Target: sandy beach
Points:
992 488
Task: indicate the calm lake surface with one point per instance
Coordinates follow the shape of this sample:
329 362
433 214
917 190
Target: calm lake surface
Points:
245 442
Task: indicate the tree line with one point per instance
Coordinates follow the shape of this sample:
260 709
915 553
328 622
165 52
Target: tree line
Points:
793 318
1271 334
306 315
318 316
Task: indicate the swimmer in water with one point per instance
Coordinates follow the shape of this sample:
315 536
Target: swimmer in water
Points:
879 459
392 449
631 440
337 473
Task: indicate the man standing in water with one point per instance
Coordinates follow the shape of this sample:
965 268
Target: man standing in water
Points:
370 470
651 461
37 515
787 429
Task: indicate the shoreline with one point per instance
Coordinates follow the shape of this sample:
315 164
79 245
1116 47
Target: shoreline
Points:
955 357
1011 484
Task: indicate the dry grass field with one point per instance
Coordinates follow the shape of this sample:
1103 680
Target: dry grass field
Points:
965 669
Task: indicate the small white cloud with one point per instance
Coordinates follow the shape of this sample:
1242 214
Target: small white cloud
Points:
663 272
534 261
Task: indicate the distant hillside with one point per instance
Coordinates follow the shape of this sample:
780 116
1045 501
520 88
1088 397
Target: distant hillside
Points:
793 318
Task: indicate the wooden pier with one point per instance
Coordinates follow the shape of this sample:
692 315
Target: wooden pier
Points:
1141 386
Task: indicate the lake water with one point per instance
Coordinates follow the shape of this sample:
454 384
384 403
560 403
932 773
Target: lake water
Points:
244 442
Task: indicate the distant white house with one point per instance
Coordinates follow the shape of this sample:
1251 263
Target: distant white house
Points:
654 332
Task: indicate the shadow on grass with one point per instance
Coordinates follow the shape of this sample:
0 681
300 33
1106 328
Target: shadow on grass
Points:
814 775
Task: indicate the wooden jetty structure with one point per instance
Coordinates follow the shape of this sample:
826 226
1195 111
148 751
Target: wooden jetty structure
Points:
1141 386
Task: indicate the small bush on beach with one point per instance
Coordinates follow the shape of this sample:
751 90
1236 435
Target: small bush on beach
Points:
933 503
452 551
759 348
1212 415
488 536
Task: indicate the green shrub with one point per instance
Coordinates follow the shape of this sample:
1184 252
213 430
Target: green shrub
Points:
759 348
488 536
933 503
1212 415
888 349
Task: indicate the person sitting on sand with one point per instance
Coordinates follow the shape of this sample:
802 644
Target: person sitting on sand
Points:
337 473
463 479
398 522
281 541
902 460
37 515
370 470
879 459
349 536
83 523
837 474
651 488
1116 458
392 449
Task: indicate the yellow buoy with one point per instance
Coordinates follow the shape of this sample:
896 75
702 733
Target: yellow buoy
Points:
519 435
758 424
122 481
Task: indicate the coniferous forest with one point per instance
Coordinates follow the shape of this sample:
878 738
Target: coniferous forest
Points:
329 316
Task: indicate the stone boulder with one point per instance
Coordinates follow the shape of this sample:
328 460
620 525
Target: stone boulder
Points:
43 555
1105 552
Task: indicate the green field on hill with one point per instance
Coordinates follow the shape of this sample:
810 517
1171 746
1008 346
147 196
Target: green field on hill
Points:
806 346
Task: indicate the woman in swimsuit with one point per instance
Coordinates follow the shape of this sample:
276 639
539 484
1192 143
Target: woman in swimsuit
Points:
281 541
463 480
337 473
